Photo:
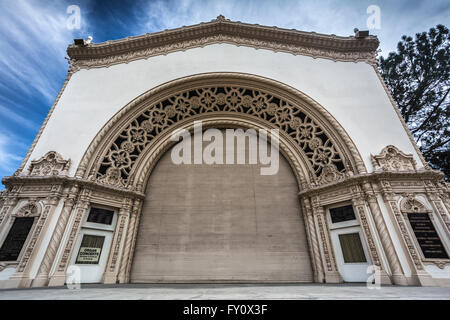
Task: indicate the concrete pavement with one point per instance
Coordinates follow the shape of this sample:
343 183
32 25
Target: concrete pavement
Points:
226 292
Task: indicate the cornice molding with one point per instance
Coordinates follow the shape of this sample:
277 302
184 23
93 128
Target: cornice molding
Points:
221 30
11 181
432 175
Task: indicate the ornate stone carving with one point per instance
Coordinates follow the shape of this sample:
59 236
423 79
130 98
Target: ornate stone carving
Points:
117 164
222 30
411 205
55 241
360 209
123 217
330 174
50 164
403 229
128 242
314 245
81 208
392 159
31 209
34 238
386 241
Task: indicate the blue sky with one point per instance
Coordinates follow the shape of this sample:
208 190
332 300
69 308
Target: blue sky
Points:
34 37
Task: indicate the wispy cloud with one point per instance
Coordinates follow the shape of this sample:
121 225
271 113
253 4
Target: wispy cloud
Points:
20 121
33 42
9 160
35 37
326 16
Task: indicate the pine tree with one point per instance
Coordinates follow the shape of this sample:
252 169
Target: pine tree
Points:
417 76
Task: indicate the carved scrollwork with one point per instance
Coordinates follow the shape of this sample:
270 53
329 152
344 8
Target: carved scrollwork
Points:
117 164
31 209
50 164
392 159
221 30
411 205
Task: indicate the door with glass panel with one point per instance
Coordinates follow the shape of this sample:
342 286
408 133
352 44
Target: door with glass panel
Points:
348 243
93 244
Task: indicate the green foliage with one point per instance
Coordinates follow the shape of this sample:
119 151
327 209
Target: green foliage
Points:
417 76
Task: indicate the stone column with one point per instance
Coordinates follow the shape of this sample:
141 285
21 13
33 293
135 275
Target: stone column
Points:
110 275
332 274
360 206
313 244
50 254
419 274
398 276
138 207
126 252
59 277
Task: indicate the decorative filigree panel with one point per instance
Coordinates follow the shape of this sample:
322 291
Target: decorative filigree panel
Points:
392 159
50 164
119 159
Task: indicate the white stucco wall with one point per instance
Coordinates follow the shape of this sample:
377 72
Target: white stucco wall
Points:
350 91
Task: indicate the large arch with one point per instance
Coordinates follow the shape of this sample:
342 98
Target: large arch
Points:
221 223
125 150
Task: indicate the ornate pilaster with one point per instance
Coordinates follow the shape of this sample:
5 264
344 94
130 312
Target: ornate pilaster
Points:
313 244
43 273
125 260
138 207
360 206
332 274
418 271
59 277
111 271
8 205
438 205
398 276
444 193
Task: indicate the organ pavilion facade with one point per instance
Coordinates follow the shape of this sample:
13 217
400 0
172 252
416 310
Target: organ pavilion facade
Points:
99 199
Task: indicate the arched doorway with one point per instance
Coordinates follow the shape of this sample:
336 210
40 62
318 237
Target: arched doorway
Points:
221 222
127 149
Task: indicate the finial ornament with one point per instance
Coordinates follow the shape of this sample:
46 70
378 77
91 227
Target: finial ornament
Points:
220 17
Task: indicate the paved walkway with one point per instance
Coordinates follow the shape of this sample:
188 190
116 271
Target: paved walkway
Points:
226 292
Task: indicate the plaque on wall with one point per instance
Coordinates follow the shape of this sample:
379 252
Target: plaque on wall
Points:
426 236
90 249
